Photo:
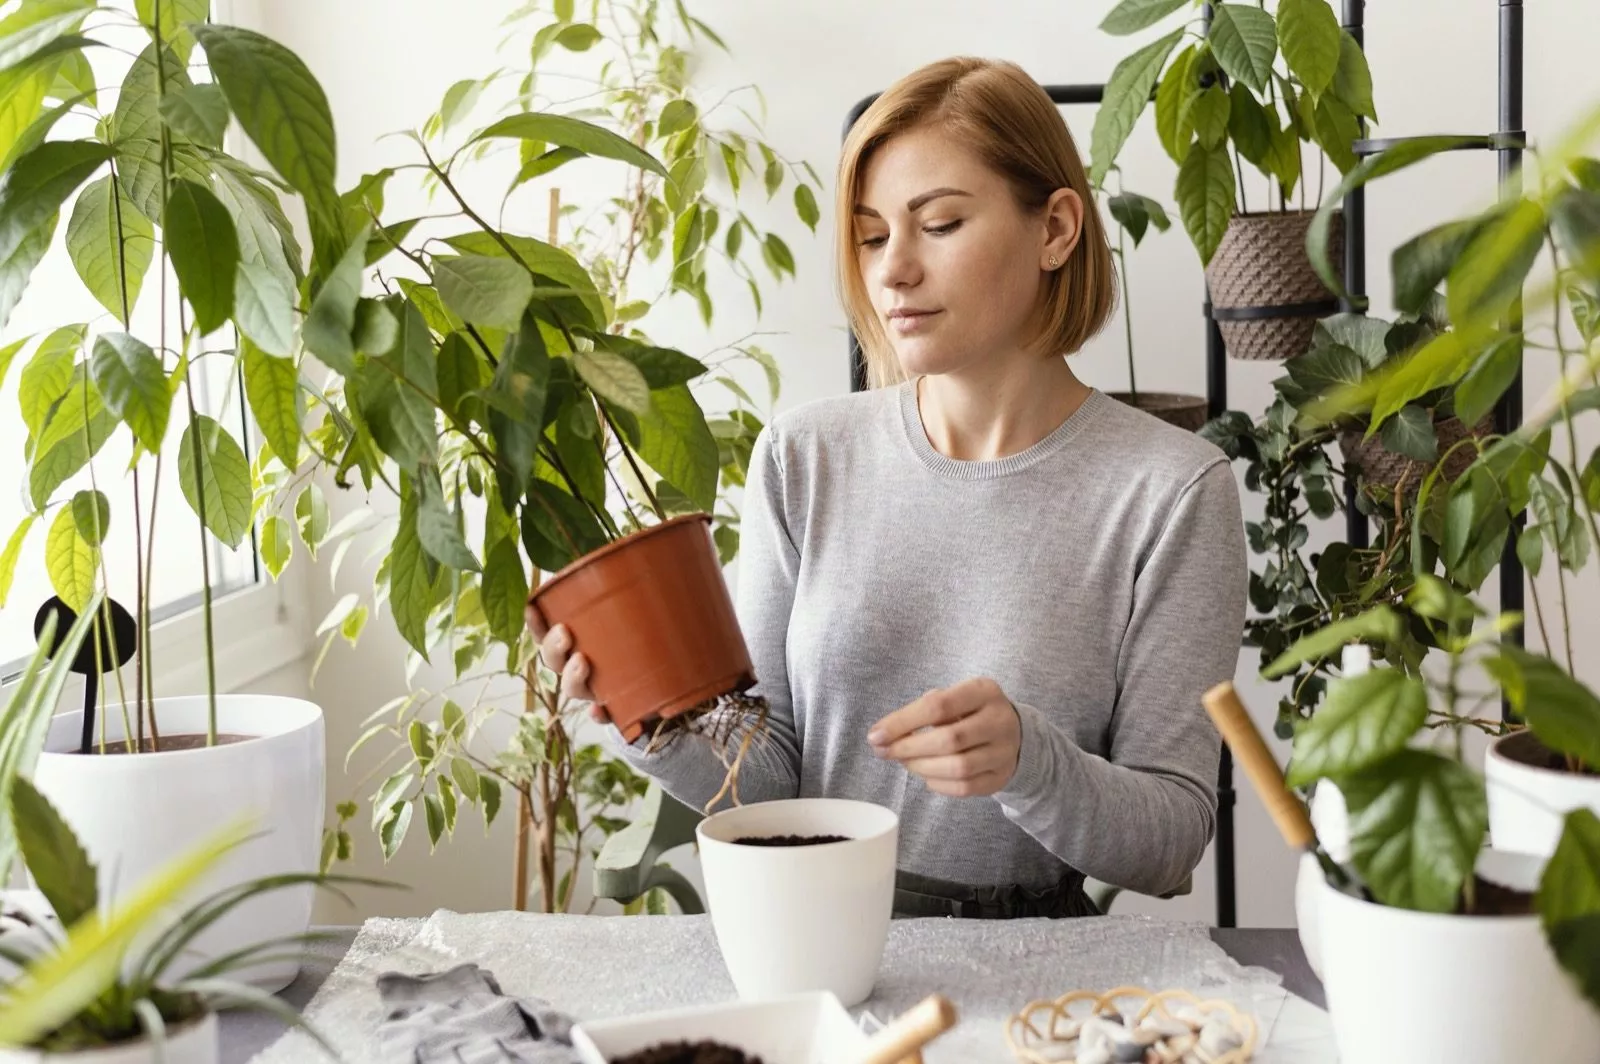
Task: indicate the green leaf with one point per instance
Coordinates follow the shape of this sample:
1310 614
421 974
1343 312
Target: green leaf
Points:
1492 269
505 592
224 477
484 290
1135 213
676 116
264 309
198 113
1411 433
1205 197
458 101
578 37
558 277
688 233
277 546
55 859
111 245
393 832
31 28
460 373
490 789
70 561
677 443
1244 40
1131 16
1310 36
1173 125
133 385
805 205
1124 100
176 15
1337 131
1439 362
205 252
521 381
436 526
1377 625
311 515
91 512
615 379
283 111
76 432
413 591
1365 719
376 330
1488 379
22 94
272 387
1559 709
47 376
331 321
1575 217
1417 822
1569 887
1284 161
1209 112
557 529
1250 127
265 236
1352 81
397 394
31 194
562 131
12 552
1422 262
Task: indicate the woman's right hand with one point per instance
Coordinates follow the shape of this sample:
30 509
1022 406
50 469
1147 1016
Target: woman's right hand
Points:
555 647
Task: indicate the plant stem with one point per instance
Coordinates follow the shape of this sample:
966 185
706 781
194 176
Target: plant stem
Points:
1538 612
1127 314
622 445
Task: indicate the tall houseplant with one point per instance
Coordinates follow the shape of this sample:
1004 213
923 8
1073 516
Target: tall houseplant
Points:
154 191
562 421
1222 99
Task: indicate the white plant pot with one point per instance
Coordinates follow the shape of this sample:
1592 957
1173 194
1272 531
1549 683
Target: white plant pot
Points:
790 920
195 1044
1406 986
137 813
1331 820
1527 802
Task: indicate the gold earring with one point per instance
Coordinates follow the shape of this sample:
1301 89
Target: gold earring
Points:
1054 262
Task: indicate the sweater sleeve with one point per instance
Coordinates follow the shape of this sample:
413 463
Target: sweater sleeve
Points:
689 768
1141 817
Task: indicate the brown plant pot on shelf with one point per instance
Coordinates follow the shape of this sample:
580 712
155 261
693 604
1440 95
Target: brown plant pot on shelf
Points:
1265 296
652 614
1384 468
1187 412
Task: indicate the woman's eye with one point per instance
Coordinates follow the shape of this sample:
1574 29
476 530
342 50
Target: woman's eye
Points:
873 241
947 227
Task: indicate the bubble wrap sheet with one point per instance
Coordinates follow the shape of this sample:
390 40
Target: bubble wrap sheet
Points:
990 969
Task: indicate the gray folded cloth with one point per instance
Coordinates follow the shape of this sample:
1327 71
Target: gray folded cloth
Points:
460 1016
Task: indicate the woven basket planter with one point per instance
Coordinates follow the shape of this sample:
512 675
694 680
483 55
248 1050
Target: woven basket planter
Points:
1187 412
1380 468
1265 296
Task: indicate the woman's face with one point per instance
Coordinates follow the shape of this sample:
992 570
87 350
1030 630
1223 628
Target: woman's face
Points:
954 266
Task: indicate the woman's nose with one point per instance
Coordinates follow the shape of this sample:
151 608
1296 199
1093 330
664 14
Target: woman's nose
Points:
900 266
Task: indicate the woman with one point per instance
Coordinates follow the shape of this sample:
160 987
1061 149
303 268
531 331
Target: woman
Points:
983 594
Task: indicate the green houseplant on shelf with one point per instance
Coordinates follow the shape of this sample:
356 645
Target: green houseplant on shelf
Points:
1446 910
1223 99
178 238
527 388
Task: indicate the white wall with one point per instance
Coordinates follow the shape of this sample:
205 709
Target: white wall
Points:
386 64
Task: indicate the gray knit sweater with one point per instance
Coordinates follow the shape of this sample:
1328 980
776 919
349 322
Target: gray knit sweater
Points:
1099 577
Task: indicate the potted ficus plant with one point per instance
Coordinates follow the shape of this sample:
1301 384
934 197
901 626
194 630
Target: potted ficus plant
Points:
1222 99
529 391
1135 214
145 182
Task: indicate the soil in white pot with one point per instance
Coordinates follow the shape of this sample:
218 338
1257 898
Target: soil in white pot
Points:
689 1053
167 744
790 840
1524 748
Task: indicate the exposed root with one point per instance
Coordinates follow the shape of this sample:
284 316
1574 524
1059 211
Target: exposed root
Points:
730 723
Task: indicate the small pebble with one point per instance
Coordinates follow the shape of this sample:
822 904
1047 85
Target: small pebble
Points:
1095 1034
1218 1037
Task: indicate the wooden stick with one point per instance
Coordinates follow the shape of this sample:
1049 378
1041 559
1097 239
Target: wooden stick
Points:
906 1036
1242 737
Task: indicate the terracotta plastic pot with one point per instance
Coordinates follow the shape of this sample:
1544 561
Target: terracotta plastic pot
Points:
1187 412
652 614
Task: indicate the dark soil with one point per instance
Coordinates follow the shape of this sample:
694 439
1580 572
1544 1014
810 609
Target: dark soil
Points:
688 1053
1492 899
790 840
168 742
1526 749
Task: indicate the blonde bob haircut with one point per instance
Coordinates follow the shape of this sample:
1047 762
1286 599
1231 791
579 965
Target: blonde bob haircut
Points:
1001 115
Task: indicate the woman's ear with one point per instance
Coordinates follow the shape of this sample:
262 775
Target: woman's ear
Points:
1063 219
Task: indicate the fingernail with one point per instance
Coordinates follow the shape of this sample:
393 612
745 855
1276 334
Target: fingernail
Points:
875 737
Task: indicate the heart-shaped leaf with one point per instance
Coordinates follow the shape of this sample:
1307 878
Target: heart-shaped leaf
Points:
1365 719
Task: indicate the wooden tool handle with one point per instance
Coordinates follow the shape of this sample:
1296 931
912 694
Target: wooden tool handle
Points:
1240 733
916 1028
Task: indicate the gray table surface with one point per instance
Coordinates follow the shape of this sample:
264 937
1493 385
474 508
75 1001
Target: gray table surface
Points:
247 1032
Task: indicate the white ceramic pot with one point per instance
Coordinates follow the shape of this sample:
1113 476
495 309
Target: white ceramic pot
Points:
137 813
1331 820
1406 986
194 1044
1527 801
805 918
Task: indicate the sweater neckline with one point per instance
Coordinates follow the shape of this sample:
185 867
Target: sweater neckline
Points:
990 468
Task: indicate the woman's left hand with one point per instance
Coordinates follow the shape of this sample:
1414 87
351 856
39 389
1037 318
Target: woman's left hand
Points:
970 744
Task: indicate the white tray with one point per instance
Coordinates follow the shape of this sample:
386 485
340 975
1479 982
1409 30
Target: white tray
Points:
796 1029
